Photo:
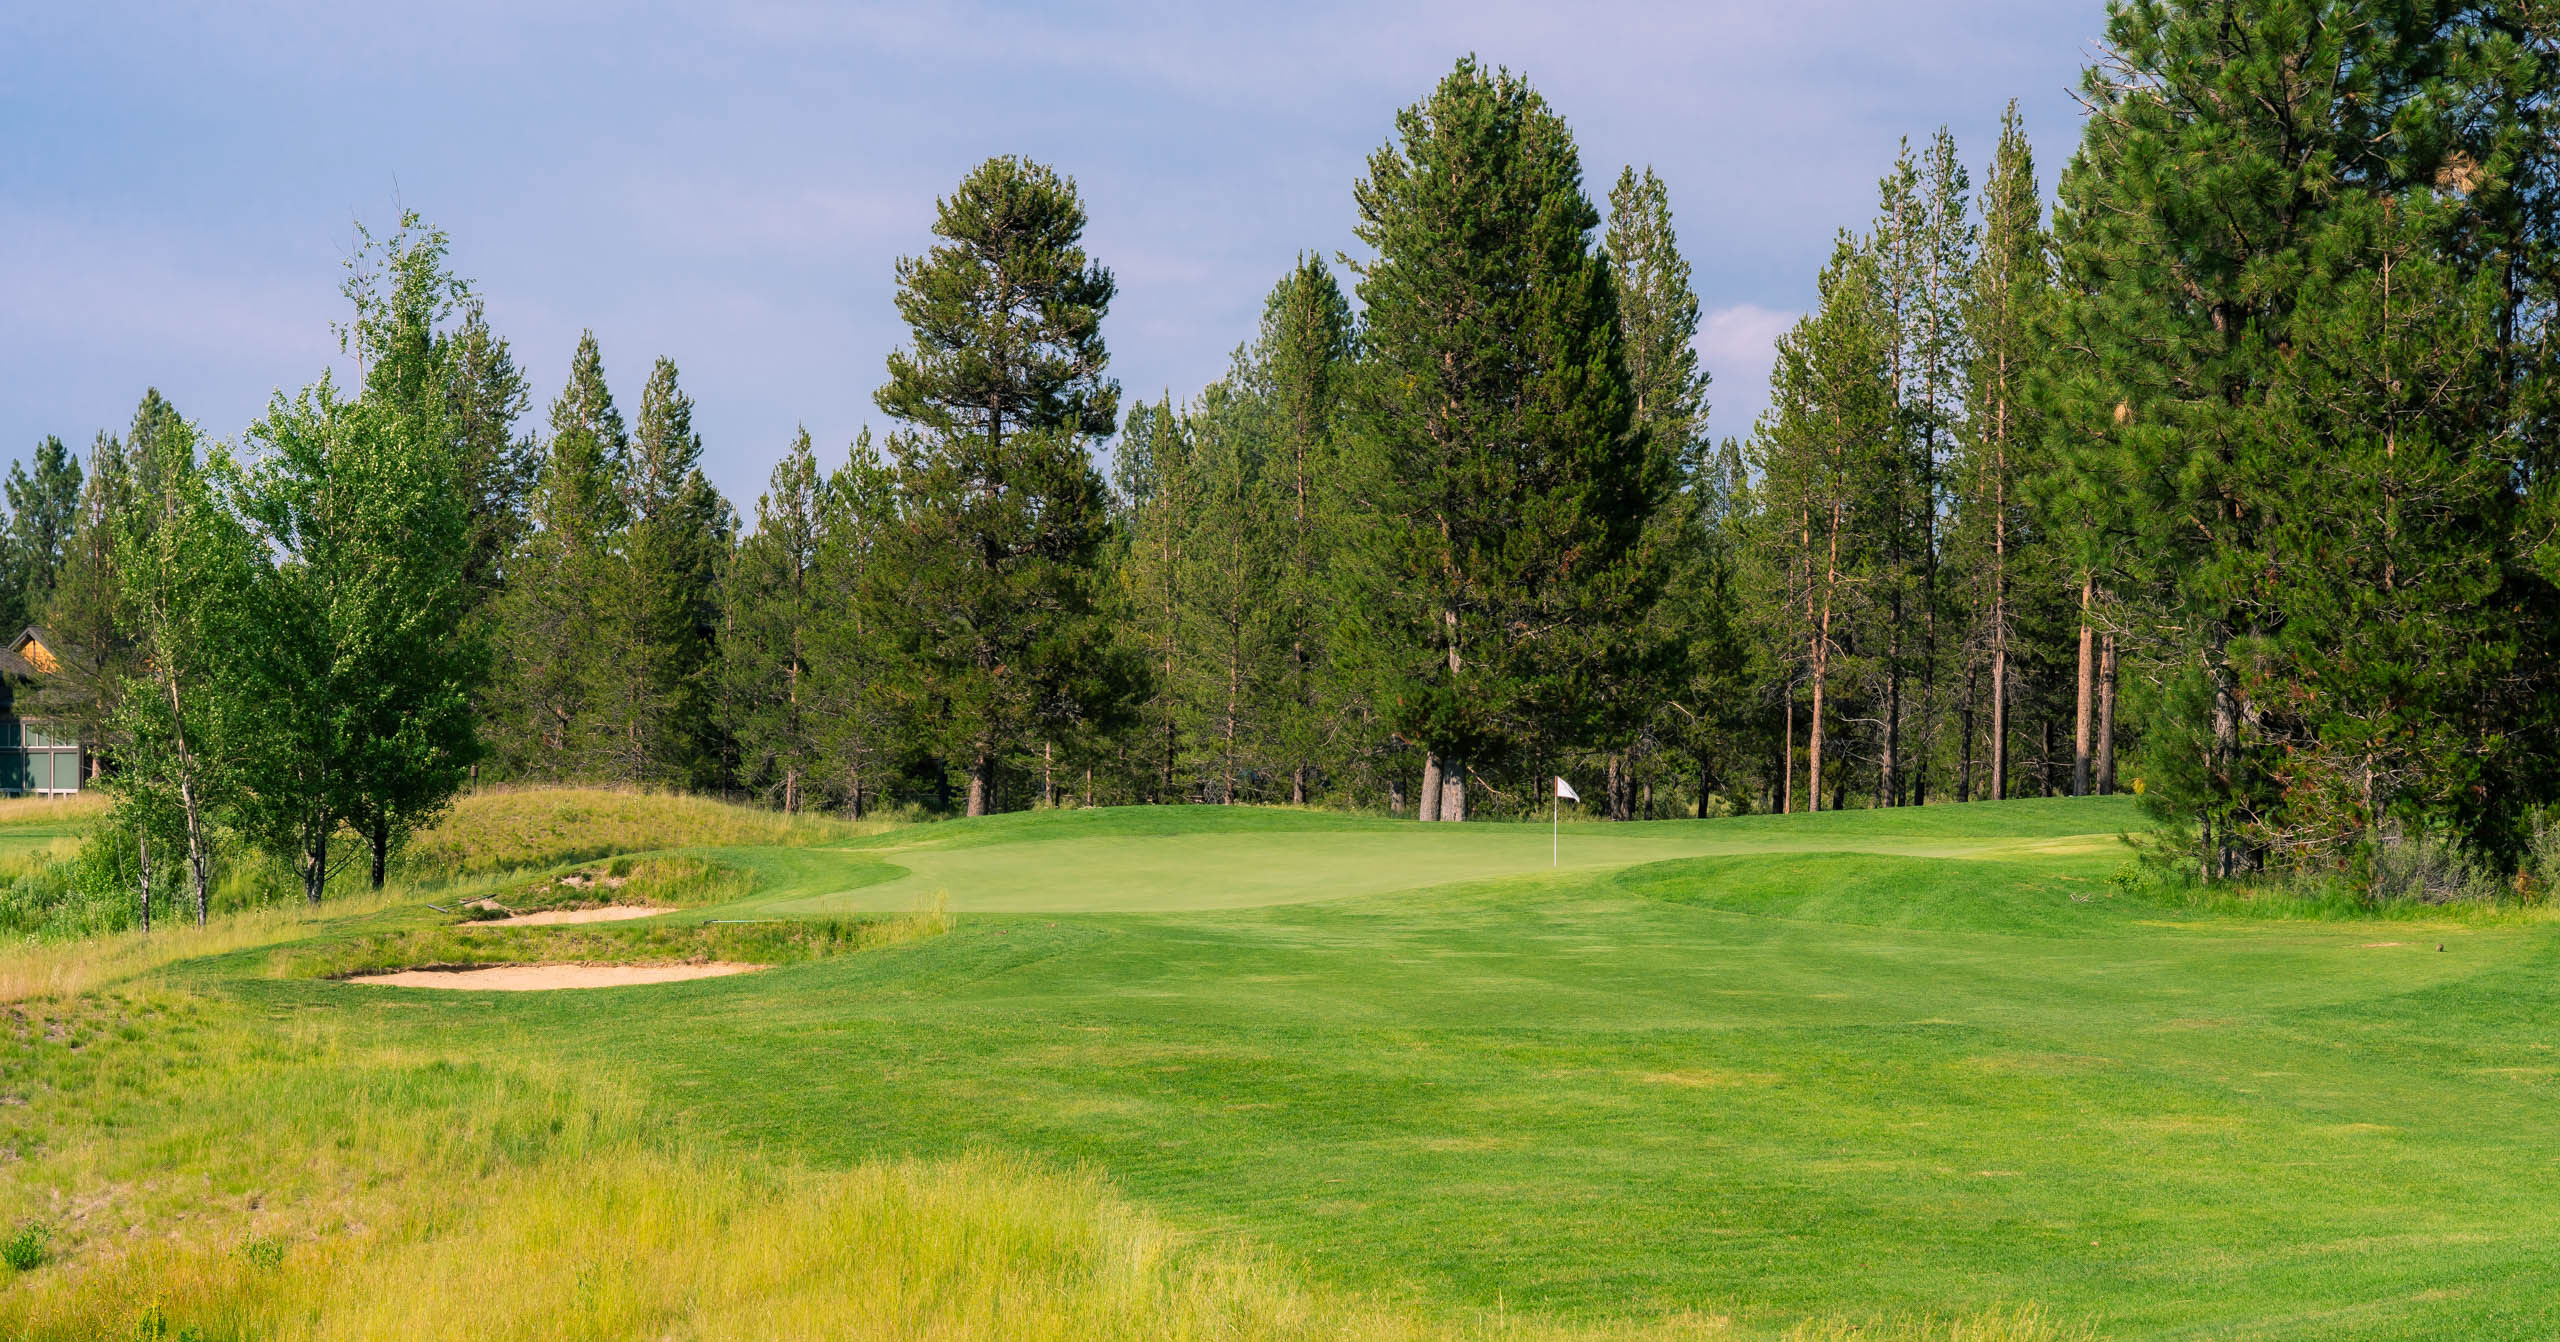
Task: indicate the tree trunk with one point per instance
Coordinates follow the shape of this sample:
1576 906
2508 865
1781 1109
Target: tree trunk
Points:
1706 783
1615 787
1787 760
2107 716
982 783
1813 743
1964 767
1999 780
1889 767
1395 796
1429 807
1088 787
142 854
381 837
1453 790
1048 775
791 791
2088 676
315 868
1298 786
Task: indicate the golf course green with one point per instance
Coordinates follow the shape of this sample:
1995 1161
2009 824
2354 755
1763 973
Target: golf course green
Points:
1760 1070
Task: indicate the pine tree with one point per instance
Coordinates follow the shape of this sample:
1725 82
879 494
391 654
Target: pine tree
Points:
1302 362
499 469
773 612
1658 322
991 587
1828 457
42 512
2285 382
652 678
1230 559
559 579
1508 484
865 725
2000 434
1152 477
88 615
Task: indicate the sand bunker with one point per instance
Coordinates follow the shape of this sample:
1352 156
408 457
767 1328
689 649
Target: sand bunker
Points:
525 978
611 913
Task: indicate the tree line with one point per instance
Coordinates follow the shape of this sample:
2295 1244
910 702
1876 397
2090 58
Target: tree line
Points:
2225 480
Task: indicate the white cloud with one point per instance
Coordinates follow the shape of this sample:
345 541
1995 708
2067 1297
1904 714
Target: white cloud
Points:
1737 344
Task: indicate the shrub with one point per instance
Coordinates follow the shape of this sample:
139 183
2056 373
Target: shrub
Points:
2421 869
24 1249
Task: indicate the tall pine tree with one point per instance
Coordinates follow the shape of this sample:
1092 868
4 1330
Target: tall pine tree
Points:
1509 486
991 586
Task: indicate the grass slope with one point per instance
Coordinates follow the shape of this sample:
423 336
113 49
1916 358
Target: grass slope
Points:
1727 1076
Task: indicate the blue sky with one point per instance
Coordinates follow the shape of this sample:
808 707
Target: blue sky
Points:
728 184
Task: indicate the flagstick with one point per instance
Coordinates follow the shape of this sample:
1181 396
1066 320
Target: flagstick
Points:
1556 837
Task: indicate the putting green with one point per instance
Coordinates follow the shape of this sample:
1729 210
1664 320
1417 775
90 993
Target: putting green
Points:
1350 858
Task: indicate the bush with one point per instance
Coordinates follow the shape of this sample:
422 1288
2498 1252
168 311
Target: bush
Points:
24 1249
2420 869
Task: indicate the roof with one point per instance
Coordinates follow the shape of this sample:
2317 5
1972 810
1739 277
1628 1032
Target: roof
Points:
30 654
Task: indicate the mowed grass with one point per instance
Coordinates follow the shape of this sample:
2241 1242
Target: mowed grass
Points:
1712 1078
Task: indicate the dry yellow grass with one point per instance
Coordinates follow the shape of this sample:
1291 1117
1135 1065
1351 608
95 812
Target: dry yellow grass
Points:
507 829
76 809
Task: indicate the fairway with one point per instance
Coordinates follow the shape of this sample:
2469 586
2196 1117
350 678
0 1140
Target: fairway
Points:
1747 1072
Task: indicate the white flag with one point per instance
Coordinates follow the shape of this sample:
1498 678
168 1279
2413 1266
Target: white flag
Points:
1565 790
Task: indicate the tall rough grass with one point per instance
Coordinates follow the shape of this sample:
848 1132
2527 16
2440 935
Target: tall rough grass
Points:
512 829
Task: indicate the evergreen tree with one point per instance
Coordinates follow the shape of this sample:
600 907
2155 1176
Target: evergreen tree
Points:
1510 487
2000 434
774 609
990 587
2286 382
864 723
499 468
1658 321
1230 558
559 577
652 678
43 511
1152 473
1827 454
1302 362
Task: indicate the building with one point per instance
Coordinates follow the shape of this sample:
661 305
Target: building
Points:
37 757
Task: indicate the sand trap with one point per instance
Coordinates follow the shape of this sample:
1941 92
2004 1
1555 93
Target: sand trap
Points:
611 913
524 978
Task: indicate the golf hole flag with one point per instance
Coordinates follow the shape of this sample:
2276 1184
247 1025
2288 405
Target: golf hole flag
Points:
1555 839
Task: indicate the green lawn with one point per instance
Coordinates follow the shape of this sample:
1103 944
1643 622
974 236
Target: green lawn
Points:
1887 1062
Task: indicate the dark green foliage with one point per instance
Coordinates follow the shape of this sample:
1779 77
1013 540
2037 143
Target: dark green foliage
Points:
1508 486
1302 369
776 607
987 585
1673 713
44 509
498 468
557 581
2291 407
652 676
